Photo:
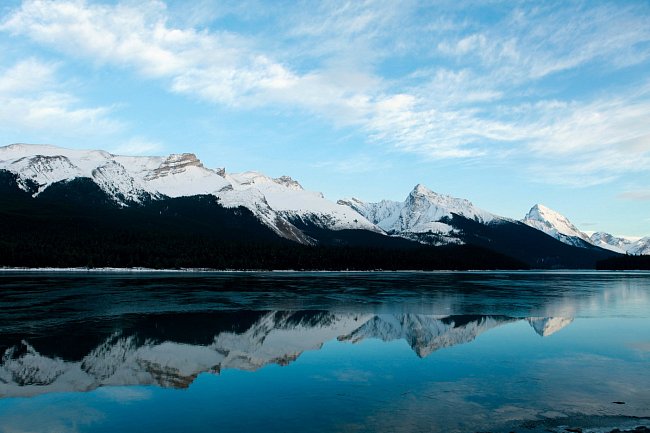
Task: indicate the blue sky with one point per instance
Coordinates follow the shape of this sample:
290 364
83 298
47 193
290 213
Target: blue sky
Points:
505 103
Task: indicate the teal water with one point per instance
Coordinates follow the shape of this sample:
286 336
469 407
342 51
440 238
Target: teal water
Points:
289 352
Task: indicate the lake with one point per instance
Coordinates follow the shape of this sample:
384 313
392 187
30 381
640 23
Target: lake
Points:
334 352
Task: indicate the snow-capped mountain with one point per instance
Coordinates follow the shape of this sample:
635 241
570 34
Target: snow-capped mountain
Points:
556 225
274 338
620 244
128 180
423 211
559 227
642 246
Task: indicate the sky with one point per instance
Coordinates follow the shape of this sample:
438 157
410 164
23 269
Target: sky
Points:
505 103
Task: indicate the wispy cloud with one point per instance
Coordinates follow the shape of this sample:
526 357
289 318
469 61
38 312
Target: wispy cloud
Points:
356 164
639 194
469 88
526 44
137 146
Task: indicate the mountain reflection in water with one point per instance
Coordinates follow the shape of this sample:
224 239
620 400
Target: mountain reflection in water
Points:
170 350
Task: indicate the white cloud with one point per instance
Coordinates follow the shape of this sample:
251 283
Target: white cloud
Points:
25 76
591 143
33 100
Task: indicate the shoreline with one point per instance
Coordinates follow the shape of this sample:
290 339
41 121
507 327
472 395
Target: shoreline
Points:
305 271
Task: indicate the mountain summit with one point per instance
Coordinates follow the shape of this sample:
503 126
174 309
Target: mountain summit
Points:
556 225
424 212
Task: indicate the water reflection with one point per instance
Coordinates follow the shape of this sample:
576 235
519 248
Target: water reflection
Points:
171 350
417 352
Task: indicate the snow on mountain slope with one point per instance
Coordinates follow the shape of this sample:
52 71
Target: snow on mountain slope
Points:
384 214
556 225
113 178
184 175
621 244
287 198
421 212
278 203
45 165
611 242
642 246
44 170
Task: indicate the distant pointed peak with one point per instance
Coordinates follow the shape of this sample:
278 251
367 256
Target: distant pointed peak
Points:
542 208
540 211
556 225
421 189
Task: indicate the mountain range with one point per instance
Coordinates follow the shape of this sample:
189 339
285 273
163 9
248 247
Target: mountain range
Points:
179 193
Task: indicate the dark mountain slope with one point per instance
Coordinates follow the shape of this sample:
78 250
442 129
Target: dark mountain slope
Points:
75 224
530 245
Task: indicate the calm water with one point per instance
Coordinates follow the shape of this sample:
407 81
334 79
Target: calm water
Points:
340 352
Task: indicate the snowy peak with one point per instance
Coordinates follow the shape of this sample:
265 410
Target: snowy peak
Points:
423 212
439 205
556 225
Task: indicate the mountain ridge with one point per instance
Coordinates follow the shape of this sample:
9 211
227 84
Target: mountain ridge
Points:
283 206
